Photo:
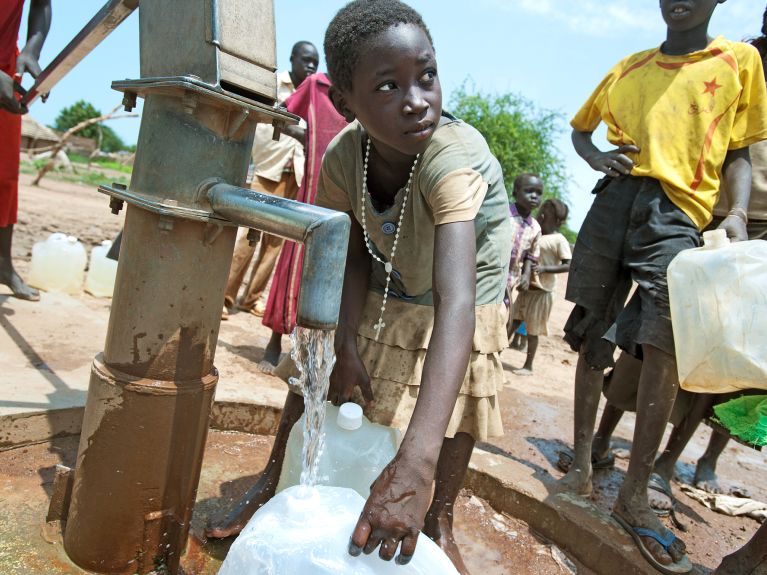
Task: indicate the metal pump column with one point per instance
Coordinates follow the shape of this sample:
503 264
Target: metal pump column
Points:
207 71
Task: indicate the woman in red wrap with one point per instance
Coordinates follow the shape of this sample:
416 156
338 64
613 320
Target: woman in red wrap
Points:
312 103
13 65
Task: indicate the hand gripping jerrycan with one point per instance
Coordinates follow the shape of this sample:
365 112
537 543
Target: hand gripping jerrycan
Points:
305 531
355 453
100 280
58 264
718 297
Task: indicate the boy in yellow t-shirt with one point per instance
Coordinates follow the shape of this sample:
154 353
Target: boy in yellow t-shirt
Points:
680 115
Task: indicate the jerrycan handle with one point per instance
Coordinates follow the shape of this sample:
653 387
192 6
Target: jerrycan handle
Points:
715 239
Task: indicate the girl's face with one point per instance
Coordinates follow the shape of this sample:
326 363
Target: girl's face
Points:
396 93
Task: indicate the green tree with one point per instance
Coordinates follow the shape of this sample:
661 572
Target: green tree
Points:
82 110
520 135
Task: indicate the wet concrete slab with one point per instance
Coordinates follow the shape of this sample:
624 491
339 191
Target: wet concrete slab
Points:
494 543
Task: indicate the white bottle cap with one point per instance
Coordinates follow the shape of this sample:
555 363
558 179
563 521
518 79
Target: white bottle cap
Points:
349 416
713 239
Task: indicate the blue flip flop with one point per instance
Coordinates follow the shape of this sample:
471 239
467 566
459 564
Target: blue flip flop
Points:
681 567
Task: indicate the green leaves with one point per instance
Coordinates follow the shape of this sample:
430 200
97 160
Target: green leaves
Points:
520 135
82 110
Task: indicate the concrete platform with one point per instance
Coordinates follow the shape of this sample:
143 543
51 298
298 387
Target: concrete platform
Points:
43 388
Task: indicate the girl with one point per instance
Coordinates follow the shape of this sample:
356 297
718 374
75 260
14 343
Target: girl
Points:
422 320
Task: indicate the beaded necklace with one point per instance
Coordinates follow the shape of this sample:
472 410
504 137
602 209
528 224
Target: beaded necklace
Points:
387 265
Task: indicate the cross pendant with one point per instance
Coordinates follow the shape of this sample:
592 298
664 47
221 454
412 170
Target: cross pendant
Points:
378 327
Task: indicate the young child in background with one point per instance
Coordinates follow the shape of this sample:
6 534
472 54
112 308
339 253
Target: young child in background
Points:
682 116
533 306
525 233
422 320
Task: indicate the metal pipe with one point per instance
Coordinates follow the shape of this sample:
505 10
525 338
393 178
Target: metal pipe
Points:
324 233
111 15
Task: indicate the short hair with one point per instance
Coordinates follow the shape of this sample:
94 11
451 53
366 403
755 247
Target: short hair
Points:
760 43
560 208
523 176
357 23
299 44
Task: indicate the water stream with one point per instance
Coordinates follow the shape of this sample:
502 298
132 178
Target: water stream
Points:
314 357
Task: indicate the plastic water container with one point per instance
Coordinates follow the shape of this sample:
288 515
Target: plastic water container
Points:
100 280
355 453
306 530
58 264
718 297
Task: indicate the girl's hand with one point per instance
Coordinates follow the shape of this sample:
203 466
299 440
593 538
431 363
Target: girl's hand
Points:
735 228
395 511
26 63
615 162
348 373
8 101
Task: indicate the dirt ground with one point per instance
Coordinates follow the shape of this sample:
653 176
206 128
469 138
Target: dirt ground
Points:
537 410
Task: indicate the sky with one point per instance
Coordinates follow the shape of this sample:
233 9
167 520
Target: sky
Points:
552 52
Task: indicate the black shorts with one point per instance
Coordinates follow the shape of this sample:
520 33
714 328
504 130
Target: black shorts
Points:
631 233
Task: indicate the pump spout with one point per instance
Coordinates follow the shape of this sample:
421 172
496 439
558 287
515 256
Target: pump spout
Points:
324 234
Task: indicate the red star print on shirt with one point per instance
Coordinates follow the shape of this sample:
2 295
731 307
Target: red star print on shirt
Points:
711 87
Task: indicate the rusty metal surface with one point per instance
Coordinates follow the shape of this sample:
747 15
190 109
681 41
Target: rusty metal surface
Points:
137 471
166 309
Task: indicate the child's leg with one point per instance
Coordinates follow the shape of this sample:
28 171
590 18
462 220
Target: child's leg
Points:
680 436
611 416
532 347
451 471
705 471
588 387
273 349
751 558
231 522
658 386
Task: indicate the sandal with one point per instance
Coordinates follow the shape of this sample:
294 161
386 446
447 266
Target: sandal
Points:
565 461
659 484
666 539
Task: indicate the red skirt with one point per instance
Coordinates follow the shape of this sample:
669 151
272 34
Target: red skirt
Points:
10 148
280 314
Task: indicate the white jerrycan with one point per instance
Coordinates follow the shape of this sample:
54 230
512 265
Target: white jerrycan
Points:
718 296
100 280
58 264
355 452
305 531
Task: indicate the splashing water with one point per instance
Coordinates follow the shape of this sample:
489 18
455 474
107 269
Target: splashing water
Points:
314 357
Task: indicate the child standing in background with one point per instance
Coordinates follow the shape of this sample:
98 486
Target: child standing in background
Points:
682 116
533 307
525 233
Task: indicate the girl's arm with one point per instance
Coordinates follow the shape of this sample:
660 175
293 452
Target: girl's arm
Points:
613 162
524 280
38 24
557 269
736 174
349 371
400 496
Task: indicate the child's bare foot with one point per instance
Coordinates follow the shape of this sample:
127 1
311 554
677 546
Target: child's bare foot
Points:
439 530
577 481
523 371
18 286
231 522
705 477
